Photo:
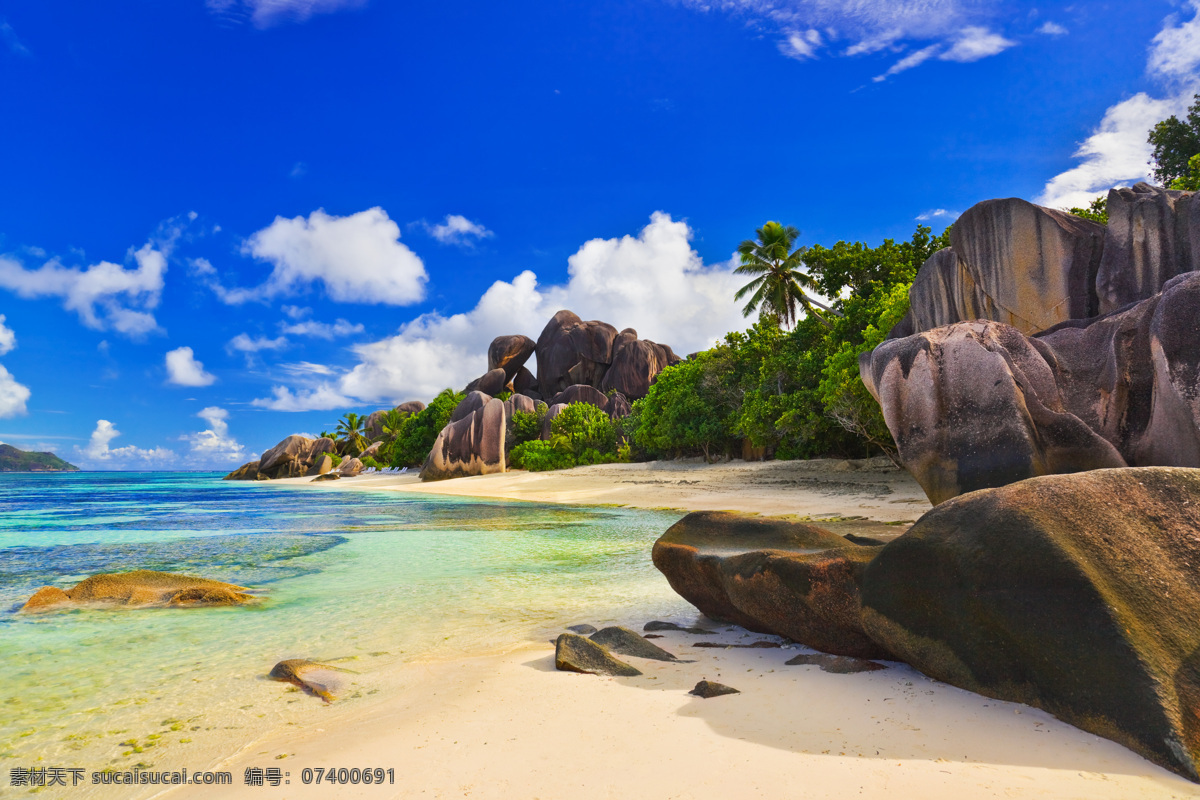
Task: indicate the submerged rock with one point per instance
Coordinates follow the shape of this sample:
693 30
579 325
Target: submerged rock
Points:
629 643
707 689
318 680
573 653
141 589
1078 594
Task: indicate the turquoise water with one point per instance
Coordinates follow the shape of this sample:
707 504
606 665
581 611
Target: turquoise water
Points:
377 579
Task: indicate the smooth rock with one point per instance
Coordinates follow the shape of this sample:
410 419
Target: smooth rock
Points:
658 625
322 465
524 382
350 467
293 456
474 401
839 665
571 351
618 406
46 597
635 365
548 421
573 653
142 588
246 472
1078 594
318 680
510 354
582 630
580 393
629 643
328 476
707 689
472 445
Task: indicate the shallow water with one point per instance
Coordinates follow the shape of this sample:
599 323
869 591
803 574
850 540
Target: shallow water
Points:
370 580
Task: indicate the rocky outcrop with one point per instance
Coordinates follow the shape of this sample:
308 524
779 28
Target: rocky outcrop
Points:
474 401
1117 390
771 576
580 394
519 402
291 458
141 589
525 383
1077 594
472 444
492 382
1153 235
618 406
373 426
350 467
629 643
322 465
246 472
548 421
635 365
510 353
571 351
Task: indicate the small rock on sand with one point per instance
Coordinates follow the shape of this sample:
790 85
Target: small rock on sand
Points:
319 680
707 689
658 625
841 665
573 653
753 645
630 643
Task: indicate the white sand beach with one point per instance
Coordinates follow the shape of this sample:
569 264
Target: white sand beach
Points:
508 725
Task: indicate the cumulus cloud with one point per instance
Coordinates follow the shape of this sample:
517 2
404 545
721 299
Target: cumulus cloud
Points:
244 343
8 339
322 330
214 445
358 259
184 370
801 45
1117 153
106 296
457 229
98 454
266 13
653 282
13 395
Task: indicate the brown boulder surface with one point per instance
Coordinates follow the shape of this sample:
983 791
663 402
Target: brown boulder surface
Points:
1116 390
492 382
472 445
319 680
618 406
474 401
636 364
1010 261
510 354
293 456
1078 594
770 576
548 421
350 467
1153 235
571 351
373 427
246 472
573 653
524 381
411 407
580 393
142 588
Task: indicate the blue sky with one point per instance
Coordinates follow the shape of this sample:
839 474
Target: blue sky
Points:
223 222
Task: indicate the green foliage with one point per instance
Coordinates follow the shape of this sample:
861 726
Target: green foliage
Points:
409 442
780 283
527 425
337 460
582 426
13 459
1097 210
1175 142
691 407
1191 181
350 432
368 461
539 456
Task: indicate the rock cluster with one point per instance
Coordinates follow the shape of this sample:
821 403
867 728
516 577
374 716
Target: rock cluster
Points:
294 457
1077 594
1040 343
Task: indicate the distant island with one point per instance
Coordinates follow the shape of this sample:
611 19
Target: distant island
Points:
14 460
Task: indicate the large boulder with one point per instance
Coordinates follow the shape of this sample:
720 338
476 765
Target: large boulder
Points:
571 351
411 407
636 364
350 467
474 444
580 393
510 354
141 589
246 472
519 402
1077 594
953 434
524 382
771 576
492 382
1153 235
1010 261
293 457
1116 390
618 406
548 420
474 401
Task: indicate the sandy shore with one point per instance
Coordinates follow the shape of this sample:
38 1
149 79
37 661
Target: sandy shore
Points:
509 725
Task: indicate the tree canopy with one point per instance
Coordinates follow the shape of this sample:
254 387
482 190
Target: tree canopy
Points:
778 288
1175 142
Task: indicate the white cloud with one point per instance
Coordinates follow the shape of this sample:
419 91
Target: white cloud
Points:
243 343
304 368
322 330
214 445
358 259
909 61
320 398
973 43
13 395
457 229
937 213
801 45
97 453
265 13
1052 29
8 339
1117 153
184 370
653 282
104 295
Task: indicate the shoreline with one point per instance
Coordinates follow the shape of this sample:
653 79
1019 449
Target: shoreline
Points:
506 724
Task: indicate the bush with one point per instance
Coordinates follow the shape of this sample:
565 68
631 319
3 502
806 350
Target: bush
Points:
582 426
527 425
539 456
413 440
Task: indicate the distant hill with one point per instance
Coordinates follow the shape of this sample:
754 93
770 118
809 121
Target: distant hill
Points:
14 460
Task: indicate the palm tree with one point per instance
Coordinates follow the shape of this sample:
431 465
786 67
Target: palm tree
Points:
781 281
350 429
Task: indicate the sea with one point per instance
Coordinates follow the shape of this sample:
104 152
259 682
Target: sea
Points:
371 581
